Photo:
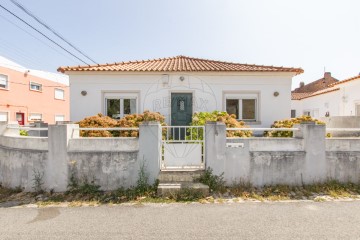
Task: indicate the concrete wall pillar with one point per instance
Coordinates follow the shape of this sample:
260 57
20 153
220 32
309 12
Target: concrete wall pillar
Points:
150 137
56 173
3 126
215 146
4 131
314 146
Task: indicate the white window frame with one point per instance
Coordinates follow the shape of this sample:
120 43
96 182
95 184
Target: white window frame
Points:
58 115
35 84
7 82
244 96
357 112
121 96
30 119
307 112
63 93
7 116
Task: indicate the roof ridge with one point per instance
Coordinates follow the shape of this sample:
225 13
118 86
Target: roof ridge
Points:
345 80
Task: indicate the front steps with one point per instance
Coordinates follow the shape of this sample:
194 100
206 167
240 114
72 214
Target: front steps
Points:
173 182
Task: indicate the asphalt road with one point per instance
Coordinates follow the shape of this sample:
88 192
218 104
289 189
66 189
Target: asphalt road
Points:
299 220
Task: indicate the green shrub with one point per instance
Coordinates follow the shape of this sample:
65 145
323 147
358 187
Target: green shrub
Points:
289 123
200 118
216 183
23 132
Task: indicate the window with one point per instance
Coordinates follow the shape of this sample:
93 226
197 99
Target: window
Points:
35 86
4 82
293 113
243 106
59 94
3 117
35 117
357 110
59 118
306 113
118 106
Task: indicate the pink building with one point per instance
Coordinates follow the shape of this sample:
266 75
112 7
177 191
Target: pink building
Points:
28 95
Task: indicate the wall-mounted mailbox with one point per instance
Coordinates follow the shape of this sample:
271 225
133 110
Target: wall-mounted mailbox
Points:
235 145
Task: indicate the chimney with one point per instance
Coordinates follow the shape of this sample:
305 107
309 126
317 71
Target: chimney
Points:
327 75
302 84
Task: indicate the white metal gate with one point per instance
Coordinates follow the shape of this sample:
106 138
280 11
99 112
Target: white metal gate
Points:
183 148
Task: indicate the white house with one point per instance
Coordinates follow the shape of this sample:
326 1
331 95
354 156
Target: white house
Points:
340 98
179 86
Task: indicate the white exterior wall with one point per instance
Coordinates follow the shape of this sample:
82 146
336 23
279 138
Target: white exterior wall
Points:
338 103
350 97
208 90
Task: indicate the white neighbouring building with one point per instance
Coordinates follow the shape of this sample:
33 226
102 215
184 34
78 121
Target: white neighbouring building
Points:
179 86
340 98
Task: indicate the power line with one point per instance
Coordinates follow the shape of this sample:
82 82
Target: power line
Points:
32 35
50 29
42 34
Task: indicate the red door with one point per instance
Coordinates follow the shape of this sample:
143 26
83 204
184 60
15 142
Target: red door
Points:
20 117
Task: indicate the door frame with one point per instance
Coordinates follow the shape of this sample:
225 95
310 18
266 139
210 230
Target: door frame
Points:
23 117
181 91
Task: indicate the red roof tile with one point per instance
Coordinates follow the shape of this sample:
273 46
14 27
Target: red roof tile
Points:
179 64
300 96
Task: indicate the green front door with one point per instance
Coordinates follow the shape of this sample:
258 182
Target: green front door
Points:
181 113
181 109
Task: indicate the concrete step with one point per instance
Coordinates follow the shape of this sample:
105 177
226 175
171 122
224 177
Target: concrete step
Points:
172 188
179 176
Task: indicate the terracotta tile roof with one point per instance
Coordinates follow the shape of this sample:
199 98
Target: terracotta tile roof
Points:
346 80
179 64
300 96
317 85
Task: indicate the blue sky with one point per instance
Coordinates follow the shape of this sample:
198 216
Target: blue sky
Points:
308 34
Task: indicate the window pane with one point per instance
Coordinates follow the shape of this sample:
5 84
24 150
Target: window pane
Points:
59 94
35 117
113 108
3 81
232 107
248 109
132 106
293 113
35 86
3 116
129 106
59 118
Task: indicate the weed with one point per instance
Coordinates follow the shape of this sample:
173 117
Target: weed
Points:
186 195
38 181
239 187
319 199
142 185
23 132
216 183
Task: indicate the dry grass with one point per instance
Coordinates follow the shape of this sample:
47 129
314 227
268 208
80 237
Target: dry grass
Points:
237 192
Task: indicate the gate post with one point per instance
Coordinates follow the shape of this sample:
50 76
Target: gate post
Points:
150 148
314 146
215 146
56 171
